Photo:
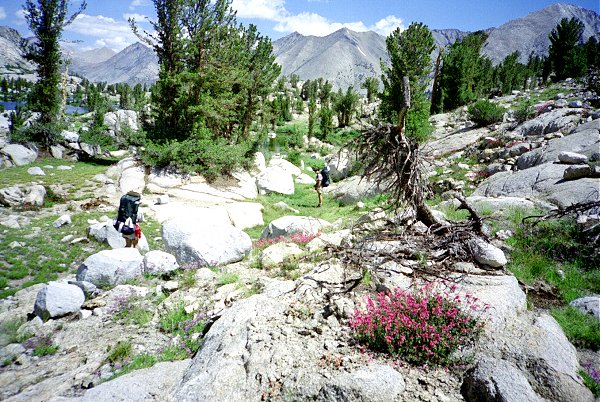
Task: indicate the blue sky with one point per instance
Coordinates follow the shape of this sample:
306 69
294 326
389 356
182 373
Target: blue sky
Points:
104 22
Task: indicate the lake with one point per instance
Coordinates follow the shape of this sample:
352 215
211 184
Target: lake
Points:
11 105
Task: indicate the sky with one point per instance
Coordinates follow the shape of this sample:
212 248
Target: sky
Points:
104 22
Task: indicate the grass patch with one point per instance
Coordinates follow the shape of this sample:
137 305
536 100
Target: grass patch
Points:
138 362
455 215
555 252
45 350
9 329
591 379
41 345
187 329
227 278
582 329
132 311
40 255
120 352
151 228
75 177
305 200
187 278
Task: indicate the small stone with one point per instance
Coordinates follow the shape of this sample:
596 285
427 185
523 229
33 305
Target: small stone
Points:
171 286
36 171
63 220
67 238
504 234
488 254
162 199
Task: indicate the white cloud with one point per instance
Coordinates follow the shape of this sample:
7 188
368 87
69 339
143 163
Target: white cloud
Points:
115 43
315 24
387 25
137 17
271 10
2 13
138 3
113 34
20 14
306 23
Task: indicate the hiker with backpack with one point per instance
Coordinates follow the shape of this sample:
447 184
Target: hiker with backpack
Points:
128 217
322 180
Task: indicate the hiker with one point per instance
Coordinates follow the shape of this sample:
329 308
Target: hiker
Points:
128 217
318 185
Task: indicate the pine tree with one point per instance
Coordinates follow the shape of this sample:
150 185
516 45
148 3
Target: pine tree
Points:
46 20
325 92
371 84
465 73
312 115
409 53
566 58
345 106
511 73
325 121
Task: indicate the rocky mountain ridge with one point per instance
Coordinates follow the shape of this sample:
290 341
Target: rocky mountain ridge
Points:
344 57
136 64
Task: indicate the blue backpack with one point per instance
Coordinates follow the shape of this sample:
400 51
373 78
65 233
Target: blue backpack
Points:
325 175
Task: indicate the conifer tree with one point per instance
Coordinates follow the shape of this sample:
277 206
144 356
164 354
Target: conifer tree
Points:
46 20
345 106
409 53
565 56
463 69
371 84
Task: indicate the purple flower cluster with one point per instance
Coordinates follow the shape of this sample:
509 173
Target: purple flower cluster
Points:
593 372
38 341
423 328
189 333
298 238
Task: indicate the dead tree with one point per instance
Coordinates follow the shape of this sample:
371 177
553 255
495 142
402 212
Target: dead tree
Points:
392 161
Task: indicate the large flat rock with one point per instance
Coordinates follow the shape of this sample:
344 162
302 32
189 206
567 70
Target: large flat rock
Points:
543 182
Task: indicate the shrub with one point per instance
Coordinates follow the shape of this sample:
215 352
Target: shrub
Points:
582 329
484 112
591 379
524 111
210 157
120 352
294 157
423 328
187 329
41 345
133 137
98 136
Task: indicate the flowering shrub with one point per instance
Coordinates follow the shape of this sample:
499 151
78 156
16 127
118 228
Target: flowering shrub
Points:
423 328
41 345
187 329
591 378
